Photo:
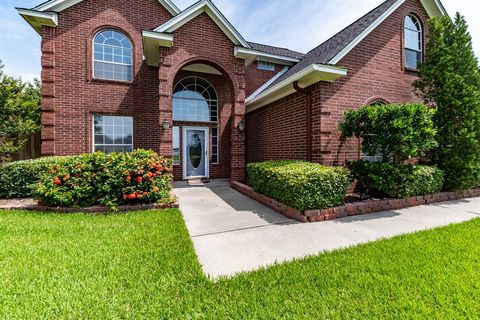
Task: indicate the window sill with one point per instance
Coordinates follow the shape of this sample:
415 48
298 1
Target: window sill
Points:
125 83
411 70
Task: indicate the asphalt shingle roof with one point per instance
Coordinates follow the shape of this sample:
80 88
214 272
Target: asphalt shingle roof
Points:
276 50
333 46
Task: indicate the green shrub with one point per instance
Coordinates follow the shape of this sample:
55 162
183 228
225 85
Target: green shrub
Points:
300 185
17 178
106 179
397 132
397 180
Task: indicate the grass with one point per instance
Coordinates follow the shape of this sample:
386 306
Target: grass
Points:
142 265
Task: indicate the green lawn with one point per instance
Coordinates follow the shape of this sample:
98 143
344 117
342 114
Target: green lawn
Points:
142 265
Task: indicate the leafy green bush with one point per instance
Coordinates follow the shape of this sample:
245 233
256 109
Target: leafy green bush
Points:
300 185
397 132
106 179
397 180
17 178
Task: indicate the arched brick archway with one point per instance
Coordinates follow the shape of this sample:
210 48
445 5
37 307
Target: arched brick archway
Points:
223 134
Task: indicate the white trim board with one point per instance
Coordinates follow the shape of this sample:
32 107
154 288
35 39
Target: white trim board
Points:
250 55
195 10
38 19
308 76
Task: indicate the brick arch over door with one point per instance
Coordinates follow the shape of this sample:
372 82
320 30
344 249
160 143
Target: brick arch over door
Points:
230 113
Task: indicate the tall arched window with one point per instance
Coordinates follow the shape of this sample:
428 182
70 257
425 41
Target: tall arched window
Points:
112 56
413 42
195 99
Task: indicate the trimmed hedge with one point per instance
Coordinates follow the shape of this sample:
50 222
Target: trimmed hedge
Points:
106 179
17 178
397 180
300 185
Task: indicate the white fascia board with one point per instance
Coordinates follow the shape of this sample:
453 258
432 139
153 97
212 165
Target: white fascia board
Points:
194 11
38 19
250 55
308 76
60 5
151 42
434 8
365 33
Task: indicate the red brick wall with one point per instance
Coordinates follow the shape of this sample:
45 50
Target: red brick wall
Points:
71 96
255 78
375 70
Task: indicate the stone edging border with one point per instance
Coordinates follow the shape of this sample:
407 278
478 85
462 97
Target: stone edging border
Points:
352 209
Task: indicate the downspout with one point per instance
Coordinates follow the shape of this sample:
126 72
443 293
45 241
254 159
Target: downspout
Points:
308 94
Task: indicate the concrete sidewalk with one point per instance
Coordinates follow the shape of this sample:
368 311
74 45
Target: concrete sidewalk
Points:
233 233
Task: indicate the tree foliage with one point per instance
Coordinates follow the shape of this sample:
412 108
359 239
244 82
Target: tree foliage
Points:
19 112
450 80
396 132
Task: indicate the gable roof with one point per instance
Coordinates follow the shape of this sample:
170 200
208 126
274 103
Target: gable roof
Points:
60 5
195 10
334 49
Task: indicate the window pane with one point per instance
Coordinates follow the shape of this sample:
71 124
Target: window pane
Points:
113 133
194 99
412 58
112 56
176 145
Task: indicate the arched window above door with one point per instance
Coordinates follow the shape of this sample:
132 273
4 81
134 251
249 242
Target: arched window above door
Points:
195 99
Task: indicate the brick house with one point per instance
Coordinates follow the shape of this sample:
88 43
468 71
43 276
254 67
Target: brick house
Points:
187 85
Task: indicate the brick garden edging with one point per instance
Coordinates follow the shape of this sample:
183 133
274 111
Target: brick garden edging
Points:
29 206
352 209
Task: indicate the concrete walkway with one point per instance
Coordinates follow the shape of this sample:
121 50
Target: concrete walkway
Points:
233 233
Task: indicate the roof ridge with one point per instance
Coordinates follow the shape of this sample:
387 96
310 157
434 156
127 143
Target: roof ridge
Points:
267 84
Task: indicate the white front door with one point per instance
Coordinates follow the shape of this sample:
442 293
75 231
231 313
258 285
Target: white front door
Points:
195 152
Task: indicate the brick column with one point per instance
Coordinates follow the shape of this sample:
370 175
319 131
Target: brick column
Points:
48 93
238 161
165 104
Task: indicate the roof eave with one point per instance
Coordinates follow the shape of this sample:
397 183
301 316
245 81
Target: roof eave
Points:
38 19
250 55
151 42
308 76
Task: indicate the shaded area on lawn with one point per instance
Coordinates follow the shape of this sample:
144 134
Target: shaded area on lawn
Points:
142 265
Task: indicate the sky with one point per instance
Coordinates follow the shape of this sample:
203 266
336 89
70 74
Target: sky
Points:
297 25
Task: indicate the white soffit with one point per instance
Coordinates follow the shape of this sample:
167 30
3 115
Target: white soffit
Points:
202 68
38 19
151 42
308 76
250 55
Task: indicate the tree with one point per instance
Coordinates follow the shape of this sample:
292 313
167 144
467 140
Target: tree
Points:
19 112
396 132
450 80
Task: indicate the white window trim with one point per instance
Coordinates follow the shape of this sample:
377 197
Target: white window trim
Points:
420 32
218 145
112 145
108 62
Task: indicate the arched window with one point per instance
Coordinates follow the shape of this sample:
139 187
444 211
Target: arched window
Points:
194 99
112 56
413 42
